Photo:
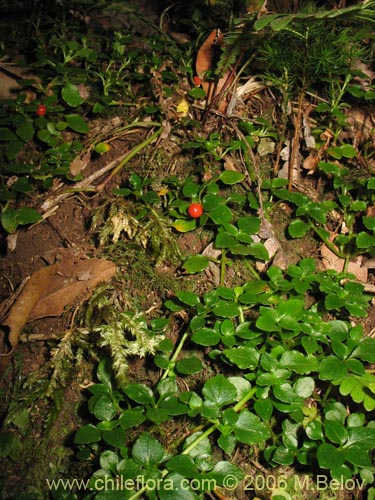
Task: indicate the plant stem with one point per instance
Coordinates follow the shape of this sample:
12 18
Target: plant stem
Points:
128 157
241 403
175 355
224 261
328 243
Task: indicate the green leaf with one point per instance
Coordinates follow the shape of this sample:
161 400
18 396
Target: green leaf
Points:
115 437
329 457
264 21
224 470
188 366
108 460
345 150
188 298
167 388
369 222
174 487
197 93
12 218
243 357
264 408
283 456
250 430
25 131
297 362
249 224
219 391
226 309
140 393
267 322
257 250
220 215
173 406
8 442
273 378
224 240
339 330
227 443
314 430
212 201
227 328
195 264
157 415
77 123
298 228
304 387
365 240
242 386
13 148
206 337
332 368
335 411
281 22
87 434
358 455
358 206
347 385
104 409
362 436
291 433
348 151
71 95
6 134
184 465
132 417
356 420
202 447
230 177
365 350
147 450
128 469
284 392
104 373
335 431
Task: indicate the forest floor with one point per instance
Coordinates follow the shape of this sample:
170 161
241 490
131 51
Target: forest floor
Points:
143 273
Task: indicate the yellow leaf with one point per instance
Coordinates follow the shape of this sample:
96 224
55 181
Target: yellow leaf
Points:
183 225
183 107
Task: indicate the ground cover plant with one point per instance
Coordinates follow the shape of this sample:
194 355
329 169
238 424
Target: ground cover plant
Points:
188 240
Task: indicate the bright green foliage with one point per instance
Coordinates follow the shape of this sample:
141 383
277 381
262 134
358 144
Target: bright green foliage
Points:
233 232
276 367
299 387
353 199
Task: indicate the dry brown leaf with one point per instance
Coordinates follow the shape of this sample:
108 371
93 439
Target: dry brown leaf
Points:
79 163
213 270
78 281
206 61
26 302
51 289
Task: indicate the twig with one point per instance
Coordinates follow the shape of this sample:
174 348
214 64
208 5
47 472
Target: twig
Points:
84 185
294 155
87 184
128 157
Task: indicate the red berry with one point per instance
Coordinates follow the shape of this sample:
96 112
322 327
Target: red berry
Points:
195 210
41 110
197 80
